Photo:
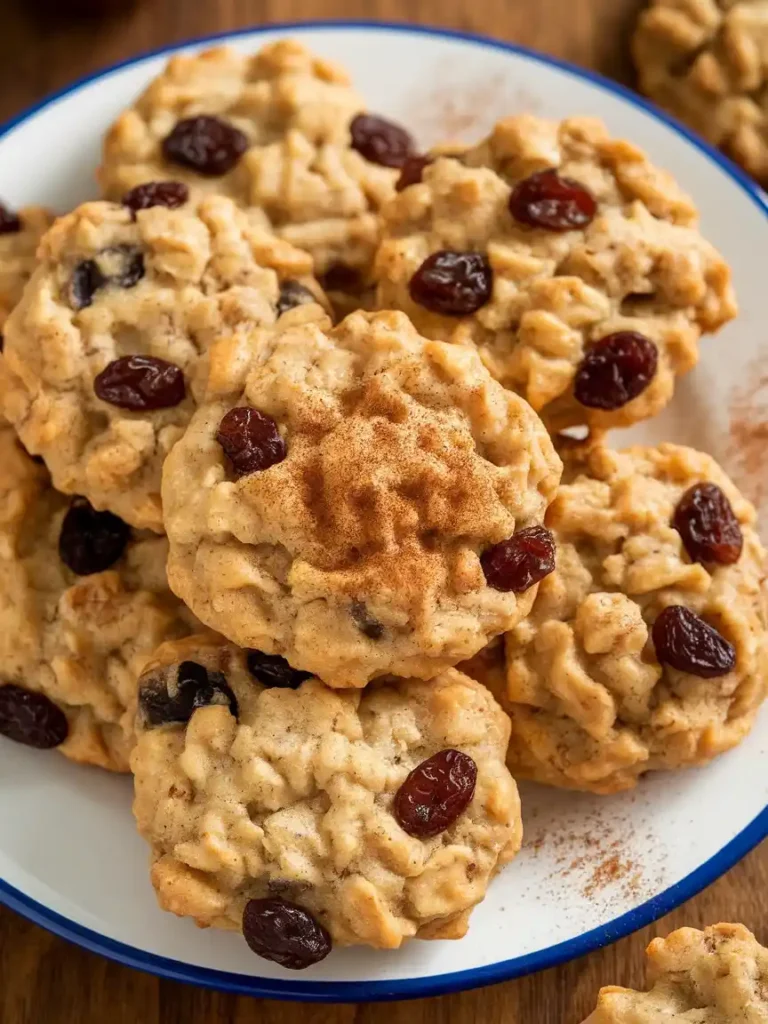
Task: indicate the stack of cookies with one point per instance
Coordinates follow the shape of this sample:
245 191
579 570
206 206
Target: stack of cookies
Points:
293 522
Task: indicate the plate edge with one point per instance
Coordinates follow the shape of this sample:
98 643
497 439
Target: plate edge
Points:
620 927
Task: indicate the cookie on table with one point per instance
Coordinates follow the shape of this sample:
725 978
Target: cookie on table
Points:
646 648
280 807
280 129
84 602
101 353
705 61
715 976
20 234
568 260
358 500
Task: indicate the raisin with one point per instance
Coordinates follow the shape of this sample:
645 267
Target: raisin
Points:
285 933
367 624
293 294
172 194
10 222
686 642
251 440
708 525
121 265
132 269
272 670
453 283
615 370
412 172
380 141
31 718
86 281
516 564
2 342
91 541
436 794
140 383
340 277
205 144
195 688
545 200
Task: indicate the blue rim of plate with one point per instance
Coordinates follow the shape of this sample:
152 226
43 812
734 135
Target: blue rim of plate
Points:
458 981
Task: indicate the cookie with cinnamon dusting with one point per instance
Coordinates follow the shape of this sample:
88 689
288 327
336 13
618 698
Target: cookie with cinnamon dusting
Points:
332 497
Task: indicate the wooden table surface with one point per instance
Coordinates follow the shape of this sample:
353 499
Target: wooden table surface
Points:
44 980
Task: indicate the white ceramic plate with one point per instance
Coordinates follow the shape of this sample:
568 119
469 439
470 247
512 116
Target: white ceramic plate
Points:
592 870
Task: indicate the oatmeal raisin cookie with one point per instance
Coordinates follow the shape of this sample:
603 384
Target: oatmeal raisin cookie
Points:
286 117
571 263
83 603
333 496
715 976
100 355
646 648
706 61
20 235
255 782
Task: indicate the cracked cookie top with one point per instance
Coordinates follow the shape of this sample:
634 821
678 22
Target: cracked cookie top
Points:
257 783
571 263
280 129
100 355
350 498
706 61
646 648
715 976
84 601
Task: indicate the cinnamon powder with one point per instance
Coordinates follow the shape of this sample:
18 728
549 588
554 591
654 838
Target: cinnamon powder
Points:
595 856
748 433
467 111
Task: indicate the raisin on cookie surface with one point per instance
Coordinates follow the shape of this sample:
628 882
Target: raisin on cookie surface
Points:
358 499
706 61
288 134
84 602
646 648
568 260
715 976
100 355
258 784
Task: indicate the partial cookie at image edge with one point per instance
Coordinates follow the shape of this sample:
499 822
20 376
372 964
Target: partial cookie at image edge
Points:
718 975
705 63
101 354
83 604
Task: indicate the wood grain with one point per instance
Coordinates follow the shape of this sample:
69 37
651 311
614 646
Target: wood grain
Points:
46 981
